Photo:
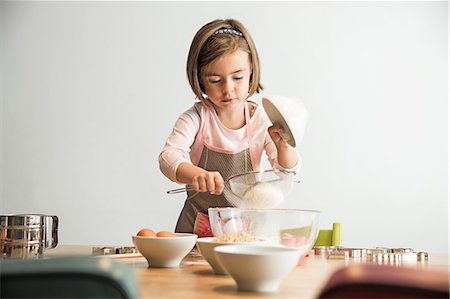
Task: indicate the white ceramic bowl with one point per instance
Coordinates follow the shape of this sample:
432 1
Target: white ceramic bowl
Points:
206 248
287 227
257 268
165 252
289 113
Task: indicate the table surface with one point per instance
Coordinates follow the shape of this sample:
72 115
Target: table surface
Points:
195 278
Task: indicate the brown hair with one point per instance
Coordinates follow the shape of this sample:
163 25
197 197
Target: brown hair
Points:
207 46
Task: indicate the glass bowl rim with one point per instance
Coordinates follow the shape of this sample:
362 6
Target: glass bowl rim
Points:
264 210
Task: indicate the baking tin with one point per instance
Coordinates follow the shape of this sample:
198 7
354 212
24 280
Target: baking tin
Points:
27 235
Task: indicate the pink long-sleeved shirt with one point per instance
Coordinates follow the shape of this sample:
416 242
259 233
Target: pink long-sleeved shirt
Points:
185 140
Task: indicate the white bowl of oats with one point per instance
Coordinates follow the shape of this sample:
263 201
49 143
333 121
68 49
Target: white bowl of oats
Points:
206 247
294 228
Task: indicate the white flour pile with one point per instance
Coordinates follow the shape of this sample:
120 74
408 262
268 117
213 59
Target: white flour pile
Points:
262 196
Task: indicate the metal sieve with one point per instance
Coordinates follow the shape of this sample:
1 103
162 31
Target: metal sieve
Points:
256 185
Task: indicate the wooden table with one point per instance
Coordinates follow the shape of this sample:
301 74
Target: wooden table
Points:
195 278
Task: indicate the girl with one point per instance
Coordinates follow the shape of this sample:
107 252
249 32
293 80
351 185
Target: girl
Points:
224 133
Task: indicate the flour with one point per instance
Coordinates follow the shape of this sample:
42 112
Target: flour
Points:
262 196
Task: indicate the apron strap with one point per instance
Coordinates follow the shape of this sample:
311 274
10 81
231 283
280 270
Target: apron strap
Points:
249 134
202 144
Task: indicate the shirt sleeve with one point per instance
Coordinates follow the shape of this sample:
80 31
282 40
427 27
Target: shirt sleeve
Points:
272 155
178 145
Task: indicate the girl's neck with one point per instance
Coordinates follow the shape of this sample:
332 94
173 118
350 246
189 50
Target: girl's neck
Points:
232 118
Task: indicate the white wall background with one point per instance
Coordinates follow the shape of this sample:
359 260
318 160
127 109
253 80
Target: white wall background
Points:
90 91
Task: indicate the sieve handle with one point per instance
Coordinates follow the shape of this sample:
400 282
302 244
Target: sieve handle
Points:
181 190
191 188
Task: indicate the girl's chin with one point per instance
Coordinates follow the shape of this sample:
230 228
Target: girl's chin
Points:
229 104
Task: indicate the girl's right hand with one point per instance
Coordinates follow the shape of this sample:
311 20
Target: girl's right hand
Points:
208 181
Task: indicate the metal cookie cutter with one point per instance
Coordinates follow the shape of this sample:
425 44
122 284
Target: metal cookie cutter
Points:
409 257
339 255
355 252
325 250
113 250
422 256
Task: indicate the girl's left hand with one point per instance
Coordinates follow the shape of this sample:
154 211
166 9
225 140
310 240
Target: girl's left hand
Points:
276 133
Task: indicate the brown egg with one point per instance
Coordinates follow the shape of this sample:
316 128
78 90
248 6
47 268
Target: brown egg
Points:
165 234
146 232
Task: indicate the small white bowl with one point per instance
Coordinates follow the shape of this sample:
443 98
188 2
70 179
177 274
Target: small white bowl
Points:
290 113
165 252
206 248
257 268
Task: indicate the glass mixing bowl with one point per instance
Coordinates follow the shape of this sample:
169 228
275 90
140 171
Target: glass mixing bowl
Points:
286 227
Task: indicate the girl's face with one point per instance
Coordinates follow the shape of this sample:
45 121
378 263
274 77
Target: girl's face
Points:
226 80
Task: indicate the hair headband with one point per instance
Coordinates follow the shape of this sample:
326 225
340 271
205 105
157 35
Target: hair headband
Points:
228 31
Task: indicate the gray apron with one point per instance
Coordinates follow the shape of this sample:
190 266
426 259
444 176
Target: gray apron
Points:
197 203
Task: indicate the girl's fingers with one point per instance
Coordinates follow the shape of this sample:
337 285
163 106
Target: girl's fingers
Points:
195 183
210 184
202 185
276 127
220 184
199 183
276 133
